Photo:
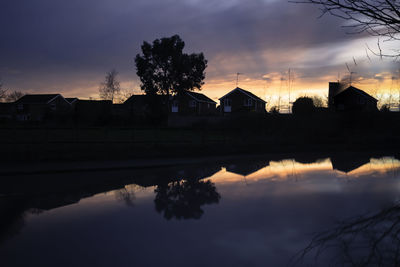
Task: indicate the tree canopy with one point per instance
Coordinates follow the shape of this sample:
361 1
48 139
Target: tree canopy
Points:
163 68
303 105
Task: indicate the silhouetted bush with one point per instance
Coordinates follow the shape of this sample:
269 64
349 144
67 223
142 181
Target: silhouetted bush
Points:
303 105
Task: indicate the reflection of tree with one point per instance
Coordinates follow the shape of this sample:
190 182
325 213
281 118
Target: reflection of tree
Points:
127 195
183 199
12 217
372 240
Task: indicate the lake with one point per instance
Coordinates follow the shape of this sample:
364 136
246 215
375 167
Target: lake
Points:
238 212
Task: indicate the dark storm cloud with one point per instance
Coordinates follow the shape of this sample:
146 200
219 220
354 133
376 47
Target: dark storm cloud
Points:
58 37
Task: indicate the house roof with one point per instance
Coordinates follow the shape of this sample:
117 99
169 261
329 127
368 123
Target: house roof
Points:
143 98
249 94
38 98
356 90
71 99
200 97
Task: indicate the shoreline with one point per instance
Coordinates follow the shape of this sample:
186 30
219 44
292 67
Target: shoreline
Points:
93 165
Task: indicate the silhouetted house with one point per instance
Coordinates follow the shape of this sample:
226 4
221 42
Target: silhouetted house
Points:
41 107
119 111
93 111
142 106
191 103
239 100
350 99
7 111
72 100
334 89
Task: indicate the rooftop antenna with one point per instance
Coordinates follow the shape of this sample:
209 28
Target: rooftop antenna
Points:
289 90
351 73
290 85
237 78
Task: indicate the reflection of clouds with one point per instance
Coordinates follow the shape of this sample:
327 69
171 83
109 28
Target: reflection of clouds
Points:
289 169
376 167
275 171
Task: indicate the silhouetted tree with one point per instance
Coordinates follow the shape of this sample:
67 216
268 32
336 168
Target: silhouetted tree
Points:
14 96
303 105
127 195
274 110
3 92
318 101
376 17
385 108
163 68
183 199
110 87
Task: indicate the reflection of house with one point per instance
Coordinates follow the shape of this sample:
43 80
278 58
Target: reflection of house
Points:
190 172
245 168
41 106
239 100
348 164
350 99
190 103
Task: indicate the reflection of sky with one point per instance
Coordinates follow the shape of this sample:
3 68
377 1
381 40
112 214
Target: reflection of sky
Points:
262 220
45 49
290 169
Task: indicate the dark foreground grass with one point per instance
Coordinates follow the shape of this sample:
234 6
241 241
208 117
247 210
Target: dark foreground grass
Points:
246 134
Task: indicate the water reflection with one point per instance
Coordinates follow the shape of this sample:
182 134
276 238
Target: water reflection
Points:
270 205
368 240
183 199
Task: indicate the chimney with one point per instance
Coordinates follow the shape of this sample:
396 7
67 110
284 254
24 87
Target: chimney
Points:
334 89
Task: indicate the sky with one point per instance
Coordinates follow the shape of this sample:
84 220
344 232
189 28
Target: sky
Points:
50 46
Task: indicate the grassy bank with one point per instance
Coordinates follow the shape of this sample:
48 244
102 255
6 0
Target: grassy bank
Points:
240 134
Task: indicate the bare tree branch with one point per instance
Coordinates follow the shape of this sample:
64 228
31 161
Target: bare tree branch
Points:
376 17
110 87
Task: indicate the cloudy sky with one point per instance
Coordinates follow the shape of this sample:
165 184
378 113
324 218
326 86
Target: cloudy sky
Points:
68 46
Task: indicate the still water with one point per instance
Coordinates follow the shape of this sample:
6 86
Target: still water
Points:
252 212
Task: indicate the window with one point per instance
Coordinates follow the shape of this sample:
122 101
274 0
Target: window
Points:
248 102
227 102
20 106
175 106
53 106
208 105
192 103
